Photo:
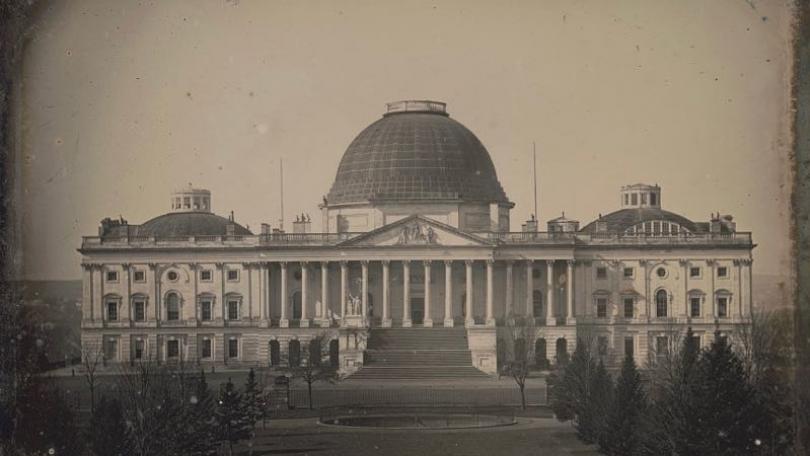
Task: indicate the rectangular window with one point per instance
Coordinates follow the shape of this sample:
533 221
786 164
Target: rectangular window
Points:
172 349
661 345
694 272
634 199
653 199
112 276
112 311
656 228
626 199
205 275
233 348
629 307
601 307
233 274
722 307
205 348
139 311
111 349
187 202
696 340
602 345
629 346
628 273
643 198
205 310
233 310
722 271
694 306
138 349
601 272
139 276
173 313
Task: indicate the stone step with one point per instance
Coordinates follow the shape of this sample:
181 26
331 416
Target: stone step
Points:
411 373
418 357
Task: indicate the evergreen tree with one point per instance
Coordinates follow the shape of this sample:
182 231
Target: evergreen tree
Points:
671 426
600 402
578 381
251 398
623 428
724 400
108 430
231 419
199 436
45 420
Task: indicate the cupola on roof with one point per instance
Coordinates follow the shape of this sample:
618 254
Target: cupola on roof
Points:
416 152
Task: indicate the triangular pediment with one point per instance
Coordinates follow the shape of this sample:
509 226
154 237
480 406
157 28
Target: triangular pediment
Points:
416 230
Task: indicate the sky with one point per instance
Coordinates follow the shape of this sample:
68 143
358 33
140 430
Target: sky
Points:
121 102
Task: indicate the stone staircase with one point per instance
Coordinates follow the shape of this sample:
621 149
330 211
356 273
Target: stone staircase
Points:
417 354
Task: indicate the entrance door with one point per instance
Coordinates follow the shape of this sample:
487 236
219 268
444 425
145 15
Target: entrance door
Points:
417 310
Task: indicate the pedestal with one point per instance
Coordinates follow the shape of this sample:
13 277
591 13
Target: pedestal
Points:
551 321
491 322
427 323
407 323
284 323
449 323
469 322
571 321
304 323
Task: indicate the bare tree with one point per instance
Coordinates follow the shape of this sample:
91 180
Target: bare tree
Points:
764 342
315 370
520 334
92 358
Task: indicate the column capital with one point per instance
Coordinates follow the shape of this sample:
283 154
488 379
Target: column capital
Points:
406 263
448 263
364 263
344 264
304 264
386 263
468 262
219 265
193 265
248 265
570 263
126 266
324 264
747 261
683 262
426 263
490 261
283 264
529 262
152 266
711 262
643 262
509 263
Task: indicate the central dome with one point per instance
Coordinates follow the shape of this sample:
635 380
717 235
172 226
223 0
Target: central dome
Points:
416 152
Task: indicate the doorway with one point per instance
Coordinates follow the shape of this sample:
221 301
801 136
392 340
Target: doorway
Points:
417 311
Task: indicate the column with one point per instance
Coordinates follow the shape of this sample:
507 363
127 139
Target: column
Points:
685 271
127 301
712 296
264 294
569 293
428 320
448 294
507 312
153 267
87 292
530 289
490 318
364 289
284 322
344 287
406 294
469 320
550 320
304 294
221 267
323 314
748 308
386 294
194 268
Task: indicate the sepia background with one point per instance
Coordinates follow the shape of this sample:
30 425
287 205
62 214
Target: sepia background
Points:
124 101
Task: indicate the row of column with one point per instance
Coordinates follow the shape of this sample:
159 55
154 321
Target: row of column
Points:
321 314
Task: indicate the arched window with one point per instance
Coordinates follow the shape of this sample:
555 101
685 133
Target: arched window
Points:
540 357
172 307
562 349
661 301
294 349
315 352
334 352
296 305
537 303
275 353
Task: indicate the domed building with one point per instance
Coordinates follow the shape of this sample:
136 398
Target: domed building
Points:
416 273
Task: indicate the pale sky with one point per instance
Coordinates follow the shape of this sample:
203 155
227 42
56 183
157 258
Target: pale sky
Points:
124 101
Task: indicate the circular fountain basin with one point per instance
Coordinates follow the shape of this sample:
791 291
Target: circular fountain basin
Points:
426 421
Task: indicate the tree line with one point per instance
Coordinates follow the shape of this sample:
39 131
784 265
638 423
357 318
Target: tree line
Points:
730 398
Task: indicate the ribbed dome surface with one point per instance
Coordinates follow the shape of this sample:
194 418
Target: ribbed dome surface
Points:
625 218
416 156
182 224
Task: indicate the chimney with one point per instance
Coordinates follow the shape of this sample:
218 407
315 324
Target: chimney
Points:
302 224
265 228
531 225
